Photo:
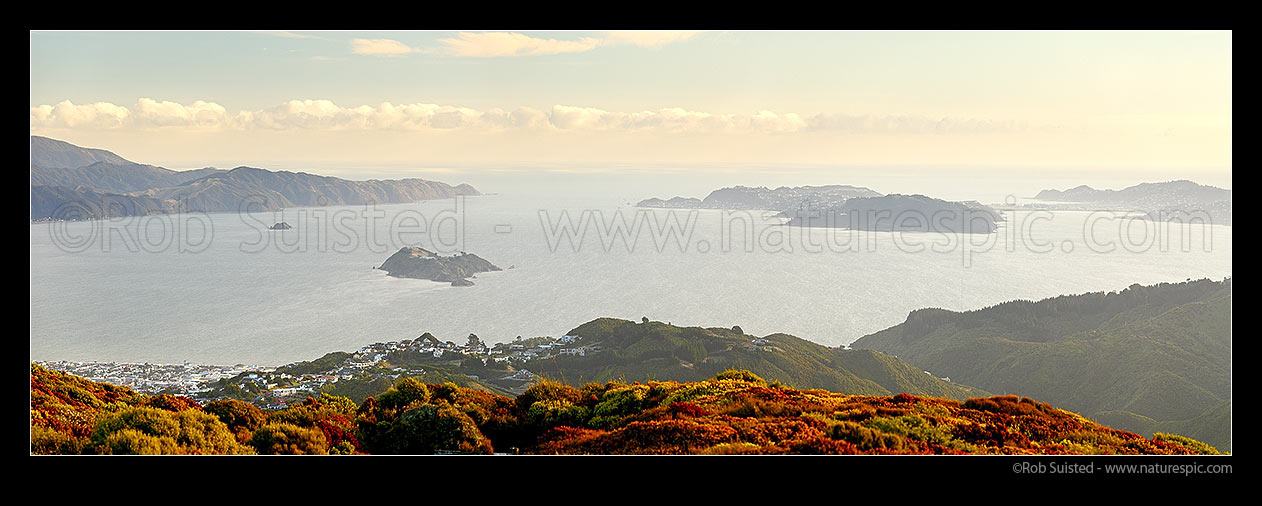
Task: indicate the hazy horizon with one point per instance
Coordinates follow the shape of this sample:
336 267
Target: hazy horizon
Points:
664 180
1097 107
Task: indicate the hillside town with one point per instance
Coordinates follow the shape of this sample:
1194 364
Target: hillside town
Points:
183 379
276 387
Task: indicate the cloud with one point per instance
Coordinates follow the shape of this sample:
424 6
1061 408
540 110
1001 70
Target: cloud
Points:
675 120
649 38
908 124
149 114
303 114
380 47
146 113
767 121
285 34
496 44
501 44
506 44
101 115
669 120
152 113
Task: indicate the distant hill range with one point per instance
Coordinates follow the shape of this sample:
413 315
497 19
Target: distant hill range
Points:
84 203
57 163
763 198
57 154
1164 201
70 182
642 351
842 206
1146 359
113 178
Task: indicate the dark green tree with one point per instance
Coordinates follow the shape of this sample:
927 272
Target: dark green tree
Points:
404 392
242 418
436 428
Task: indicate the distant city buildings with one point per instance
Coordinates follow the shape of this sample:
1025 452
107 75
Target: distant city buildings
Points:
270 389
184 379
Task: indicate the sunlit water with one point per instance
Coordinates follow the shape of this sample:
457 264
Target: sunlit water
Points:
161 293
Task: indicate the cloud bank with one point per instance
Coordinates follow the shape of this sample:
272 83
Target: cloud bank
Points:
149 114
379 47
505 44
496 44
285 34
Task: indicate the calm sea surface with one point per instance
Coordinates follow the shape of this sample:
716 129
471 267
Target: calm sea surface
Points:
220 289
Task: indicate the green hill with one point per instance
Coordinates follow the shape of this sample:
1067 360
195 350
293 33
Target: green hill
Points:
627 351
1214 424
1161 354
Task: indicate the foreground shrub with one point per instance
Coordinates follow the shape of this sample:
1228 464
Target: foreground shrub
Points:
289 439
822 446
917 428
149 430
556 413
242 418
172 403
731 414
741 448
46 441
1186 442
436 428
134 442
405 392
741 375
667 437
548 390
866 438
618 403
1012 405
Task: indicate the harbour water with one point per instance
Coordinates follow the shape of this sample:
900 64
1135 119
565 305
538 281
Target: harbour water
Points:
221 289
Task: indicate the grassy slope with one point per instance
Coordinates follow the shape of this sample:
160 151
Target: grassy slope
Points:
357 389
657 351
1213 426
1161 353
744 416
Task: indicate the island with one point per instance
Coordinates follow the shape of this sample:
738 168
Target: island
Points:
1183 200
844 206
674 203
420 263
906 213
281 226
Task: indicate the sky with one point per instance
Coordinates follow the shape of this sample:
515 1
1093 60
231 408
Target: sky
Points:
777 107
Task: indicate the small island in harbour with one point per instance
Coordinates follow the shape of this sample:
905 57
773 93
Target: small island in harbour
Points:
420 263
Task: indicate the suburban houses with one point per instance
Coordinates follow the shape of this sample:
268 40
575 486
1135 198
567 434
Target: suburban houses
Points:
276 387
